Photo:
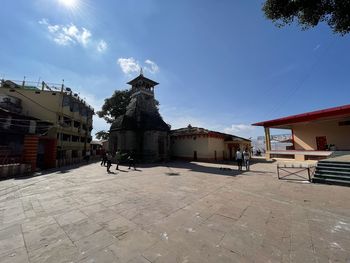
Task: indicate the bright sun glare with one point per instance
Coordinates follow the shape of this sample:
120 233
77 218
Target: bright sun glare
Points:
69 3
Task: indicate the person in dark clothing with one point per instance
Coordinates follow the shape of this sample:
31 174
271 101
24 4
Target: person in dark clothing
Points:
131 159
239 159
118 157
109 161
104 159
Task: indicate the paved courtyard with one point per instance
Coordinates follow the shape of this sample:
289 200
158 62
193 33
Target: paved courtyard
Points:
177 212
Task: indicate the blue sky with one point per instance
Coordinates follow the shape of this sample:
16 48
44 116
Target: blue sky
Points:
220 64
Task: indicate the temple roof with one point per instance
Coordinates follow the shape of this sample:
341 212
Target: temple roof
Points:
147 122
142 78
201 131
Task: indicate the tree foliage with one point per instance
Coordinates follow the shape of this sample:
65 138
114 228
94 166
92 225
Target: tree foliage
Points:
309 13
115 106
102 135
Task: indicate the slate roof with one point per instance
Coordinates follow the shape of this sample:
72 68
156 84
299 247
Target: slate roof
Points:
147 122
200 131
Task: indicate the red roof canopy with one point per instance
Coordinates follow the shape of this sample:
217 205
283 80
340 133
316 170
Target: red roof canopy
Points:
341 111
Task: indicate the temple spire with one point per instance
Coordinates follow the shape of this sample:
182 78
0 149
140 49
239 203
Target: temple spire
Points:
141 71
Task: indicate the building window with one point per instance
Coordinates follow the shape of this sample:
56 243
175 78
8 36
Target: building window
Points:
66 137
344 123
75 138
67 122
76 124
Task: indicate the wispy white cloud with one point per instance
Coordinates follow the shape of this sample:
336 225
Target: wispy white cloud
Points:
102 46
244 130
151 66
70 34
131 65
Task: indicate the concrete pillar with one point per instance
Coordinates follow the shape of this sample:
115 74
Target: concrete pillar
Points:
267 142
300 157
267 139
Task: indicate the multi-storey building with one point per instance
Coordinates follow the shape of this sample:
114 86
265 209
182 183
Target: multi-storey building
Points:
69 135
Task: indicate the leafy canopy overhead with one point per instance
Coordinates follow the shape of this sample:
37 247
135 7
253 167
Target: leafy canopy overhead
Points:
115 106
308 13
102 135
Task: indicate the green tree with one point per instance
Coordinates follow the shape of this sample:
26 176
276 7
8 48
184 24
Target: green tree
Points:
308 13
115 106
102 135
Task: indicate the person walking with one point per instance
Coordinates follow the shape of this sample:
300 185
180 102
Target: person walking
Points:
87 156
104 159
109 161
246 158
239 157
118 157
131 159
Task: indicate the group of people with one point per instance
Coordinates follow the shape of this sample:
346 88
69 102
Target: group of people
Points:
243 158
107 159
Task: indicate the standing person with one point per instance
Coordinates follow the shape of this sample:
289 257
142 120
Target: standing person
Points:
104 159
87 156
109 161
246 158
239 157
131 159
118 157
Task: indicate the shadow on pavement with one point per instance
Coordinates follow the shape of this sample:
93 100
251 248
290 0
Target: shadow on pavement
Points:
60 170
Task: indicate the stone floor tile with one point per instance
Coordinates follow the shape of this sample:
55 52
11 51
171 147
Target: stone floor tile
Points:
104 255
119 226
81 229
18 255
93 243
133 243
43 236
60 251
10 239
219 222
34 223
103 216
70 217
242 241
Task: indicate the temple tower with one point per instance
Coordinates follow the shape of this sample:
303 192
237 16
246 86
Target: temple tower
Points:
141 128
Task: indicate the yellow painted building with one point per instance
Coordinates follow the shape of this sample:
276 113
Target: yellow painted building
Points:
70 116
315 135
199 144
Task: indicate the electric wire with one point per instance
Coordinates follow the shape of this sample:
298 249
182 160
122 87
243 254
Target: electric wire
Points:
301 83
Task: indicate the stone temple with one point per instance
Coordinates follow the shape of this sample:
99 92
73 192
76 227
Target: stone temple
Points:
141 129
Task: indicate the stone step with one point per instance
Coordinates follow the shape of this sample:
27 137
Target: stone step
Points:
332 172
330 167
332 163
318 180
328 176
335 165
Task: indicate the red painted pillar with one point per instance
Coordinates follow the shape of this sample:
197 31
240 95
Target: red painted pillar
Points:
30 150
50 153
